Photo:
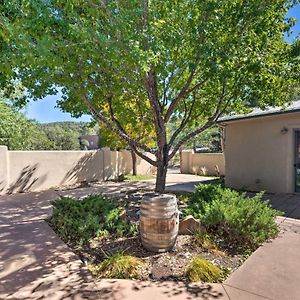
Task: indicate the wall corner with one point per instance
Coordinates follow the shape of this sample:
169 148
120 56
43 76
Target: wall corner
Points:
4 169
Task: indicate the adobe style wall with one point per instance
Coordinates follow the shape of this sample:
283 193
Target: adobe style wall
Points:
211 164
259 154
22 171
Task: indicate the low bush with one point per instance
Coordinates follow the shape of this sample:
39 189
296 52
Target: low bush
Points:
118 265
206 242
77 221
242 222
202 270
138 177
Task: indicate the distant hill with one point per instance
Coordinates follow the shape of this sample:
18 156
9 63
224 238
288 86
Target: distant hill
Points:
19 133
64 135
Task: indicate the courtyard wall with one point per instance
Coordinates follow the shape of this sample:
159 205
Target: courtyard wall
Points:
22 171
206 164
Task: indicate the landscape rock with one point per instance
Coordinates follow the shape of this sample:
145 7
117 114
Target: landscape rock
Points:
189 226
123 215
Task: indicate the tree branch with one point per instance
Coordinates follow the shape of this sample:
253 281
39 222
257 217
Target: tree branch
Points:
184 121
145 157
196 86
179 96
100 117
213 119
114 119
190 136
151 87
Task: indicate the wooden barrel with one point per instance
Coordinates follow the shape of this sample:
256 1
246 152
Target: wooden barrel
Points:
159 221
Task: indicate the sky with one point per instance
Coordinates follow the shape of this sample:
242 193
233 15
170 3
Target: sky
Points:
45 111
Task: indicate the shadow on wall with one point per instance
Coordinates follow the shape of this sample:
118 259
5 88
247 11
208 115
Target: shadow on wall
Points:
89 168
2 186
124 163
143 167
26 180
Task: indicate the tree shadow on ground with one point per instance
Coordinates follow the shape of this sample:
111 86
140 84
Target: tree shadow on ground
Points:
35 264
118 289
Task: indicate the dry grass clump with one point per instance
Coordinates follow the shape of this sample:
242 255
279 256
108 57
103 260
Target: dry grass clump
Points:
203 240
202 270
118 265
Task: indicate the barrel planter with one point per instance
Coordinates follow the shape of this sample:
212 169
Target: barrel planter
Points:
159 221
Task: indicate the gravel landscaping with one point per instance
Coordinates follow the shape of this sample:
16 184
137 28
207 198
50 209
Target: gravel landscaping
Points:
118 235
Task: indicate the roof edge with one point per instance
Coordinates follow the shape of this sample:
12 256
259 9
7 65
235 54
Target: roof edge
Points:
245 117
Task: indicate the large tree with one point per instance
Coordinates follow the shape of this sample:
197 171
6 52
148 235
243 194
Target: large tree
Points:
184 61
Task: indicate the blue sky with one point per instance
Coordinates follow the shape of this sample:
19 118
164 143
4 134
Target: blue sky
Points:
45 111
295 13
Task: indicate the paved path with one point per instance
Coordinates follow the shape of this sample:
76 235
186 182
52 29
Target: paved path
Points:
36 264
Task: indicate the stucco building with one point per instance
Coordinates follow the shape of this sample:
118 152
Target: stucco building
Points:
262 150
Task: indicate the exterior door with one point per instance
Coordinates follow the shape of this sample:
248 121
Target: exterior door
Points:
297 161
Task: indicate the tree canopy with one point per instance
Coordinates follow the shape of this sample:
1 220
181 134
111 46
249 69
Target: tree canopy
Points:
64 135
19 133
154 62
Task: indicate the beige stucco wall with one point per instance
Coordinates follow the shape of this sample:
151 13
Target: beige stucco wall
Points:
22 171
39 170
202 163
123 163
4 169
258 156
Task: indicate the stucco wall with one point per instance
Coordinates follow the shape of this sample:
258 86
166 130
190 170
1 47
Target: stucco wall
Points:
22 171
258 156
211 164
4 169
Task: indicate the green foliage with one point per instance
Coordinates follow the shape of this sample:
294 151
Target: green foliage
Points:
78 221
19 133
183 197
205 241
138 177
64 135
209 140
138 65
242 222
105 52
84 142
202 270
118 265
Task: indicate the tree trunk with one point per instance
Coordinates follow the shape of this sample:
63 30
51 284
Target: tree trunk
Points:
133 157
161 174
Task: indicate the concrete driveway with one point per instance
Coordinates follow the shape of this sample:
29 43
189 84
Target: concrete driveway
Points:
36 264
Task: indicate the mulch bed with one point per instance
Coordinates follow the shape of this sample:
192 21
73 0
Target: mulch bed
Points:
158 266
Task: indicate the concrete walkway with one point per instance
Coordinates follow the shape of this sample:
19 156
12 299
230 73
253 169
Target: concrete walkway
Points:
36 264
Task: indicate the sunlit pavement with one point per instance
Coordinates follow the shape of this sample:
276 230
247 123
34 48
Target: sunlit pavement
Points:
36 264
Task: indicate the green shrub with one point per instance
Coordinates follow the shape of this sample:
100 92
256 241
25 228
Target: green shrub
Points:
118 265
77 221
205 193
242 222
206 242
138 177
202 270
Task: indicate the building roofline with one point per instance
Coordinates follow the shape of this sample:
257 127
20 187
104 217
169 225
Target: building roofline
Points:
253 115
